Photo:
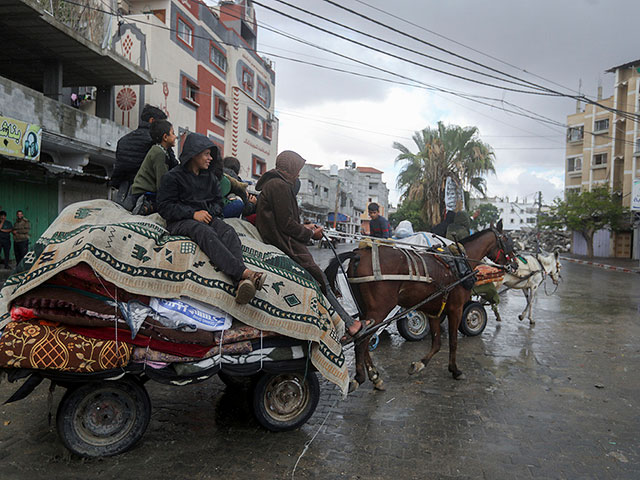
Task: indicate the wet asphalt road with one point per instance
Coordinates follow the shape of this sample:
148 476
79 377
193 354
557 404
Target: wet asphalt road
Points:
557 400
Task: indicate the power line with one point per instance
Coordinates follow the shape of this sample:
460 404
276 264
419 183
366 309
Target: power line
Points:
378 50
403 47
463 45
634 117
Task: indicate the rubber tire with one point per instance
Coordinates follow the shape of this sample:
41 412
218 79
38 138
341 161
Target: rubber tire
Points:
238 382
126 393
261 396
474 319
411 334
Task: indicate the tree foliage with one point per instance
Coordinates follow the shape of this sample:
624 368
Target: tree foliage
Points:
445 151
487 214
586 213
411 211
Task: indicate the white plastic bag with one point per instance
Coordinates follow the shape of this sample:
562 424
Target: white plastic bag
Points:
186 310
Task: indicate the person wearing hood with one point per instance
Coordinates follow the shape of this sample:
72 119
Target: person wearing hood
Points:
278 221
134 146
189 200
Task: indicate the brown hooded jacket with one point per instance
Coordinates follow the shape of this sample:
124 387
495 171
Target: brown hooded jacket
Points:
278 217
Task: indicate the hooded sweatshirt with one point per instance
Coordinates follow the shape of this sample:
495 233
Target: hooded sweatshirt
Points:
278 217
182 193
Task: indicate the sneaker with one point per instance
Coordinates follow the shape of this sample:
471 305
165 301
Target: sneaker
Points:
245 292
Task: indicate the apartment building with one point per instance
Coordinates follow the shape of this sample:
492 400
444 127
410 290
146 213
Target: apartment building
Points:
207 75
340 197
515 215
58 138
602 150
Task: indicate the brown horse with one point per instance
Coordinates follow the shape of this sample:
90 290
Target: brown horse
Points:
376 298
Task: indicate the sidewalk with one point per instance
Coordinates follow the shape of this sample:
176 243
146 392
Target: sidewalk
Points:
610 263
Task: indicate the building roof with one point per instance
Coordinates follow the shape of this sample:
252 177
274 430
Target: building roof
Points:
624 65
368 170
31 38
314 165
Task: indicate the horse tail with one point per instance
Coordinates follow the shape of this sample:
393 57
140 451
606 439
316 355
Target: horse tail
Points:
332 270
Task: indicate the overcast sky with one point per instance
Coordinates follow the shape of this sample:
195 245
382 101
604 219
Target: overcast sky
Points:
329 117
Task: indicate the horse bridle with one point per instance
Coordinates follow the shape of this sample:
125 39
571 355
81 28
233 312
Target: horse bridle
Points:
502 250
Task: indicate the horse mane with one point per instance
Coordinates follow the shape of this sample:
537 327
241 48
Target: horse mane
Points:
475 236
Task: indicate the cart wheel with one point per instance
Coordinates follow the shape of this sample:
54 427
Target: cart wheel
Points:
100 419
474 319
238 382
285 401
414 326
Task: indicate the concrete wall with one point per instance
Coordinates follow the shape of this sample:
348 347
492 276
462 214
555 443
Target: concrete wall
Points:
67 131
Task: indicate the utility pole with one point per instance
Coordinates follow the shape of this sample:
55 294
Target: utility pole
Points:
335 211
538 222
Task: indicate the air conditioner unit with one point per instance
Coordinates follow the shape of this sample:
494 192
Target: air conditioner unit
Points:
270 117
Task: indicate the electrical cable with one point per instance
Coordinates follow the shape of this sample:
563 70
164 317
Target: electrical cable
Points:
398 57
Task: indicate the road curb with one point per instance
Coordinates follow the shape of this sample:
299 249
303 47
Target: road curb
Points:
600 265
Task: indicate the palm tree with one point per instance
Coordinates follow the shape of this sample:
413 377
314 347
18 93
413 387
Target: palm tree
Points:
443 152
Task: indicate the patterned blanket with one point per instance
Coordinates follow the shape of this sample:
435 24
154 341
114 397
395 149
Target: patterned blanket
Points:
136 254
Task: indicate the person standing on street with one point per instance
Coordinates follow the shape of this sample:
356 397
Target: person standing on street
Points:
5 237
21 229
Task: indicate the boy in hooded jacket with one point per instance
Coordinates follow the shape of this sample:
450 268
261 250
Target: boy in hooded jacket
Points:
189 200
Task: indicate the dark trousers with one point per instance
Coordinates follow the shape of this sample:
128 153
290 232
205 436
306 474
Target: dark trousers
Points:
20 249
306 261
5 247
217 240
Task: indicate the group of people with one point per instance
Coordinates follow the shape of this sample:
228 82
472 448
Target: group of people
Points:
20 229
194 196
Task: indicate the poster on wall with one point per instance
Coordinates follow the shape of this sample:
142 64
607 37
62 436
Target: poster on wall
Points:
19 139
635 195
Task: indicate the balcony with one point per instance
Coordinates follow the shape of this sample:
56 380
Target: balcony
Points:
35 40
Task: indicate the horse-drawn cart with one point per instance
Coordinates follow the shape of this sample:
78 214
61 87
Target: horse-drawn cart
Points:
106 413
107 301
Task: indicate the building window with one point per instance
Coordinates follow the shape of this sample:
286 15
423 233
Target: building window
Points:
247 79
253 122
185 32
190 91
575 134
259 166
218 58
574 164
220 109
600 159
601 125
267 130
262 92
531 220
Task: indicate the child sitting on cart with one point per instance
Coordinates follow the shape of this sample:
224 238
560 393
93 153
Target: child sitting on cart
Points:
189 200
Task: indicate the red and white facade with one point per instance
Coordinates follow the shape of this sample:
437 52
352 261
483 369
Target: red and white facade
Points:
208 76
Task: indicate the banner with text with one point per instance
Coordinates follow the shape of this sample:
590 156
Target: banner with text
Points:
19 139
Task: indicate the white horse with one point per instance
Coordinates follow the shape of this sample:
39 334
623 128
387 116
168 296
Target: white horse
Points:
531 273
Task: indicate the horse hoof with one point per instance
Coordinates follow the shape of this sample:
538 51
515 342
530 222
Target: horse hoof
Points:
459 376
520 317
415 367
379 385
353 385
532 322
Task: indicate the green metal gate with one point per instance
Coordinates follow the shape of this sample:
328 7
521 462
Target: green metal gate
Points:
38 199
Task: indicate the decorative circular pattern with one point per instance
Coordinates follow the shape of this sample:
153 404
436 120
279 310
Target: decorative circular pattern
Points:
126 99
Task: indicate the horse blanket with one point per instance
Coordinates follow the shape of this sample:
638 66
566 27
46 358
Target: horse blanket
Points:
136 254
